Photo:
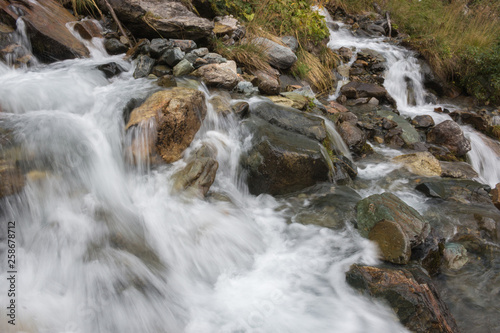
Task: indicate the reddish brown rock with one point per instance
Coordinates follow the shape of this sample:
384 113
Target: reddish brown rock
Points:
495 196
410 293
46 24
450 135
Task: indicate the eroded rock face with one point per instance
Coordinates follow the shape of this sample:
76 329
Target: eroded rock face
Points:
147 18
387 206
46 24
175 116
450 135
411 294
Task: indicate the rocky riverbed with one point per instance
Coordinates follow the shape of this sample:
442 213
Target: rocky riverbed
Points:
387 157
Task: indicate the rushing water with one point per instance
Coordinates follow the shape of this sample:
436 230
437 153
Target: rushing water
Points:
472 292
104 245
404 82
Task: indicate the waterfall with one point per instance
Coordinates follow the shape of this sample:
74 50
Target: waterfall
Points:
404 82
103 245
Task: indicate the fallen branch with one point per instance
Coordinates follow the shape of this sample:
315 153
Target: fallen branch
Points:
120 27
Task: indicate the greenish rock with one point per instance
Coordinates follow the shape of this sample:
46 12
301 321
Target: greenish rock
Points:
455 255
325 204
392 241
299 99
144 66
199 174
387 206
281 161
184 67
460 190
291 119
410 134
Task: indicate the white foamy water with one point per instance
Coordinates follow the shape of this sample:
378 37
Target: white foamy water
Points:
404 82
104 246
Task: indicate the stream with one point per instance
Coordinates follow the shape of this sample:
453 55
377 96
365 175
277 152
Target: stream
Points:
104 245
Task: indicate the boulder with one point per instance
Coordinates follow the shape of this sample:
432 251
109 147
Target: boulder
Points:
228 25
392 241
353 136
409 134
171 56
175 115
161 70
110 69
186 45
281 161
199 174
184 67
268 84
167 81
495 196
46 26
221 104
345 53
478 121
450 135
170 19
283 101
420 163
241 109
144 66
423 121
291 42
387 206
158 46
291 120
458 170
221 75
459 190
455 255
355 90
410 293
113 46
88 29
325 204
280 56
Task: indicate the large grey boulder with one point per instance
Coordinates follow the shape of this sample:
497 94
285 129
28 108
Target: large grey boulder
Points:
170 19
46 26
280 56
450 135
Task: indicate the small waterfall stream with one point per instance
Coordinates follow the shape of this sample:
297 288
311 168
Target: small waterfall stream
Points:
404 82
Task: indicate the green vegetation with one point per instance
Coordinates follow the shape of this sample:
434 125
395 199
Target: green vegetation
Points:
459 38
273 18
251 56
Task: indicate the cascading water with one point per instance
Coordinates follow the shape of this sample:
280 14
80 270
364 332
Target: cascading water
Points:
103 245
404 82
